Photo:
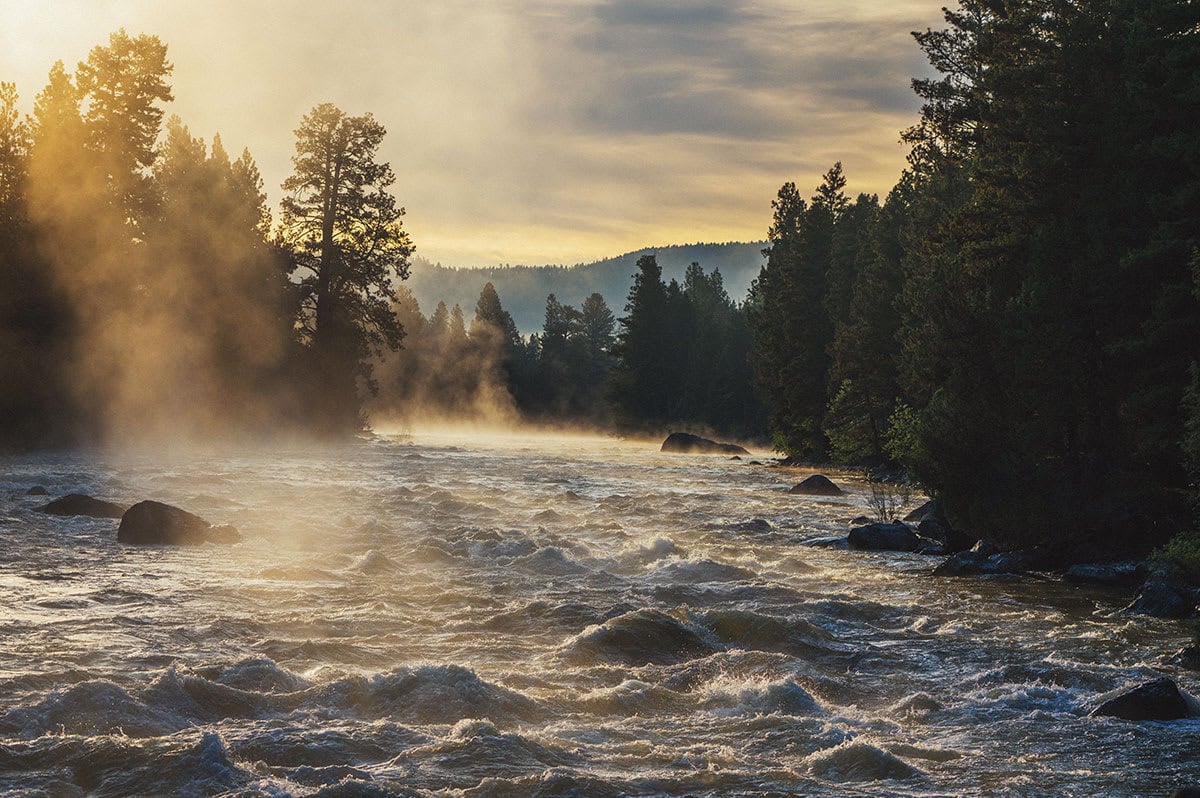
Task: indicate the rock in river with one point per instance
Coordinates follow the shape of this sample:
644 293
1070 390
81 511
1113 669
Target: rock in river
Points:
151 523
1113 574
1155 700
983 560
79 504
817 485
884 537
1164 595
686 443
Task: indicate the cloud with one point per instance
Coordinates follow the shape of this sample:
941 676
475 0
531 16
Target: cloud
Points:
538 130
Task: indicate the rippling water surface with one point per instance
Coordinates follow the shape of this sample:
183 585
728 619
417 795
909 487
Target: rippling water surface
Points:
549 616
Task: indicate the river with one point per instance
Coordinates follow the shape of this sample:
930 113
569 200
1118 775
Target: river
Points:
511 616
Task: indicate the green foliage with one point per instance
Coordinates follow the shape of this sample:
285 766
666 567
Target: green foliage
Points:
1182 552
1049 325
848 424
902 440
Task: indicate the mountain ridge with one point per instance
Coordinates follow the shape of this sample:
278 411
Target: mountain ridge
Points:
523 289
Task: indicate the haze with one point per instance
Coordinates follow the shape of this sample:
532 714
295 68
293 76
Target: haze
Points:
536 132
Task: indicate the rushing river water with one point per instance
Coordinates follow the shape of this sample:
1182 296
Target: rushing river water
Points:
513 617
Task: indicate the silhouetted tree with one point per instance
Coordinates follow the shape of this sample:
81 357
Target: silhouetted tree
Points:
641 388
790 314
123 84
343 226
33 319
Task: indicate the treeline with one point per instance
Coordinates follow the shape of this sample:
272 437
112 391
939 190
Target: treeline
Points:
1017 322
524 288
146 289
678 358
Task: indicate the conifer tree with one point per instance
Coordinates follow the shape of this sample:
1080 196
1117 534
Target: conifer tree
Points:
343 226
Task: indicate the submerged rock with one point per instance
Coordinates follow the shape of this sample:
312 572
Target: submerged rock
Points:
753 525
1155 700
1115 574
884 537
79 504
838 542
817 485
983 560
686 443
155 523
37 490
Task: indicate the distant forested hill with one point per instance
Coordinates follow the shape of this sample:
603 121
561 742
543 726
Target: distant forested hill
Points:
523 289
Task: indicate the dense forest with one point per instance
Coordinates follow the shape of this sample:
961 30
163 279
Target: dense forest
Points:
148 292
524 288
1016 325
679 357
1017 322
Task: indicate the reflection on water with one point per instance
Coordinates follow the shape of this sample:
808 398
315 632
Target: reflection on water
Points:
509 615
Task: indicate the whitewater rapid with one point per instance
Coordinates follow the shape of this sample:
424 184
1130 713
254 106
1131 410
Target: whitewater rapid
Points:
515 616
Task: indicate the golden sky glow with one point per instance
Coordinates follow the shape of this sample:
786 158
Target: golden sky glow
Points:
539 131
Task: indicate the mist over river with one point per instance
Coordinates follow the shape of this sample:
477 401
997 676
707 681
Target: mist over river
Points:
515 616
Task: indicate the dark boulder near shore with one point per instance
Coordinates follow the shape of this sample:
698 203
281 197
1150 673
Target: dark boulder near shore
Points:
931 508
1159 699
686 443
154 523
817 485
79 504
884 537
1165 595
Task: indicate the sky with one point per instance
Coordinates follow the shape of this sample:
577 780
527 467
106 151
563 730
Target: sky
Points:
536 131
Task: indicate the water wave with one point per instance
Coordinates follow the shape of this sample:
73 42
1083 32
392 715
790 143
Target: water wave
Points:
644 636
859 761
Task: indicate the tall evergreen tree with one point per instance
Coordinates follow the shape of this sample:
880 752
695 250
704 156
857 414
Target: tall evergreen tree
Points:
792 327
124 84
641 389
343 226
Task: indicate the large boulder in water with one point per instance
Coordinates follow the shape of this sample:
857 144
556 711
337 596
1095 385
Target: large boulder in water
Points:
79 504
686 443
884 537
817 485
155 523
1164 595
1155 700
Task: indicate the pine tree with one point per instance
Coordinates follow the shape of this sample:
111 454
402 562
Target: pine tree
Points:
343 227
640 389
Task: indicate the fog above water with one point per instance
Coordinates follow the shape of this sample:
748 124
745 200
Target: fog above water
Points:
509 614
